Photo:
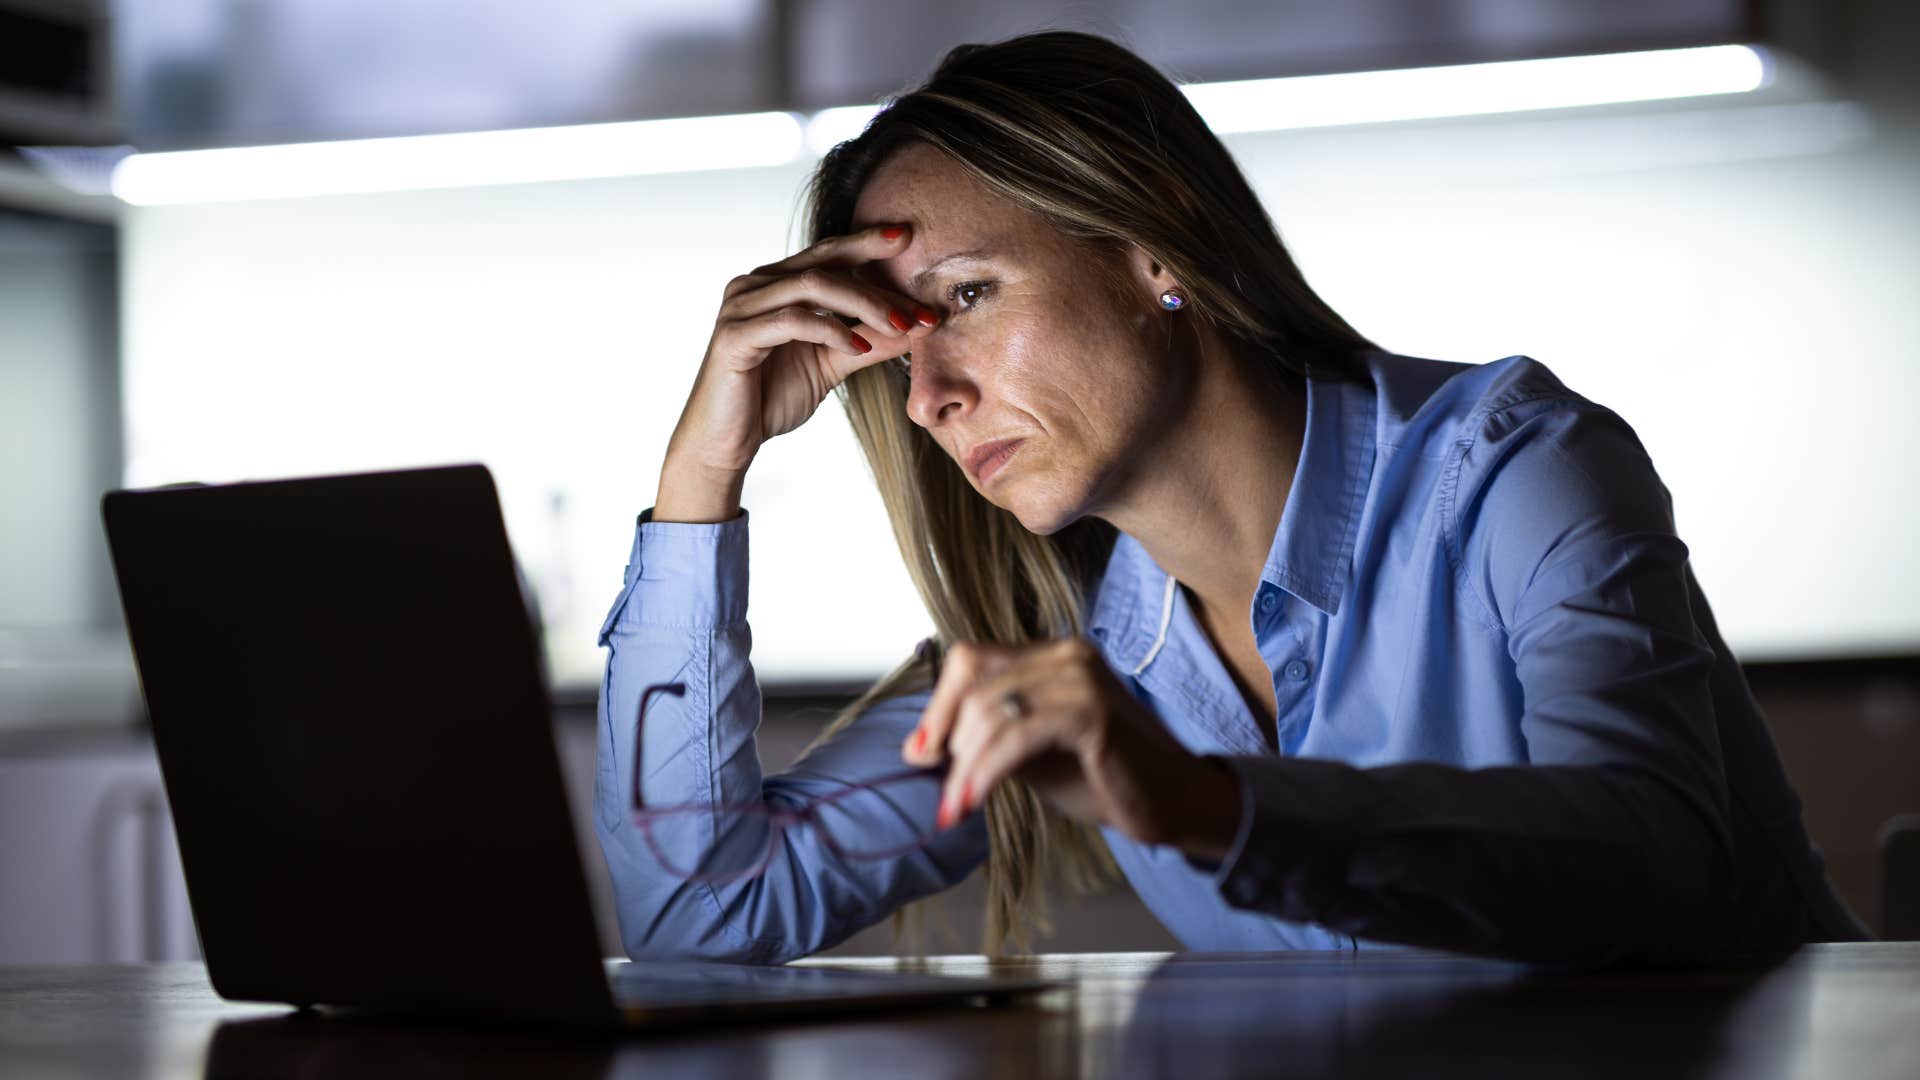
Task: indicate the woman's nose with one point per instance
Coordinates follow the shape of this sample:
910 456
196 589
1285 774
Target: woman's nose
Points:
940 390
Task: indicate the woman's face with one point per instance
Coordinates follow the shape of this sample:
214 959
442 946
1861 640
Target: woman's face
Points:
1035 343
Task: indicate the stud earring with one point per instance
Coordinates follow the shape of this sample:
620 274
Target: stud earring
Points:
1173 300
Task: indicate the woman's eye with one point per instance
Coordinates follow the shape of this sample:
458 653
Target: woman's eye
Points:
967 294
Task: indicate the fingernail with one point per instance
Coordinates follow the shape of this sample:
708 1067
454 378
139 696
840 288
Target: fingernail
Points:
926 316
899 321
860 343
966 796
944 818
892 232
919 740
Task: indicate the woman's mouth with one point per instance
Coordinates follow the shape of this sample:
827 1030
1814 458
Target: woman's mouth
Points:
991 458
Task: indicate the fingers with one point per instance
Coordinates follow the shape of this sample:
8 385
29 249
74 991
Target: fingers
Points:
989 742
888 320
878 241
986 741
965 663
782 325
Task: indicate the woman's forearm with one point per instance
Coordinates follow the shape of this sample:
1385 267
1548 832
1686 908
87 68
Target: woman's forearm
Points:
681 620
1210 811
1567 864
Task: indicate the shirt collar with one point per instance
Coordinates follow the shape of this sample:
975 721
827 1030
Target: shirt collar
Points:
1312 552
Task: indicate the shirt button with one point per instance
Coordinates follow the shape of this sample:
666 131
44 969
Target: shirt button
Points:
1297 670
1268 600
1100 633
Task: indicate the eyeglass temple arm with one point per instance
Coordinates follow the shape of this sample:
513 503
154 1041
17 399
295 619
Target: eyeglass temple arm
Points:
640 719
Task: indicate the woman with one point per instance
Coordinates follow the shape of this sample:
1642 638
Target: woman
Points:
1332 647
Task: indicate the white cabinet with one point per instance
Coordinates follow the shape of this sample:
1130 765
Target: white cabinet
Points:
89 869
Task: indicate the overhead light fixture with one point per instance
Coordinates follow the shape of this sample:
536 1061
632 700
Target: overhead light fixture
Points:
466 159
775 138
1371 97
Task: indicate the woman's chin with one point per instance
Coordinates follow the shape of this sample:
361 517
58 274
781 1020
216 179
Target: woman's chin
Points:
1041 512
1045 499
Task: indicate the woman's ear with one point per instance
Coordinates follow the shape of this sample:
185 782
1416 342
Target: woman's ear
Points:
1147 276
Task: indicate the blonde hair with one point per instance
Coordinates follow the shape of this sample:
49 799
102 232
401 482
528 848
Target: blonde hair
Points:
1100 145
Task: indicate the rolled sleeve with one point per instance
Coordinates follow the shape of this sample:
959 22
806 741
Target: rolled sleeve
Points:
1220 870
683 575
1273 824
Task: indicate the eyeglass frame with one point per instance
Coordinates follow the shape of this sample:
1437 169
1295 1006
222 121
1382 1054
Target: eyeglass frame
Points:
778 819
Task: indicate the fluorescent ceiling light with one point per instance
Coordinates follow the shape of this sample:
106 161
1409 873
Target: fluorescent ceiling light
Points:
775 138
467 159
1369 97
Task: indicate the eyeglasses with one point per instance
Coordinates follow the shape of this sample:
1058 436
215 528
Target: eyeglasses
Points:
709 842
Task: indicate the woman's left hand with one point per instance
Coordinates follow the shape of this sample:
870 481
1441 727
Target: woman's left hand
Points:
1054 715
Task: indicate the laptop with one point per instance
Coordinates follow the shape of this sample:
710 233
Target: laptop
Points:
357 745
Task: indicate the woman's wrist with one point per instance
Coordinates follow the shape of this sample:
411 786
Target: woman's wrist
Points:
1212 810
695 494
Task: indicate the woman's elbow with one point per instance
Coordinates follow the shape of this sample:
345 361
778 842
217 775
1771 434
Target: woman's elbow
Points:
685 922
664 917
1687 907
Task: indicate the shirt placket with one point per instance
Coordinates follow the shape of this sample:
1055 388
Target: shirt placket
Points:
1286 635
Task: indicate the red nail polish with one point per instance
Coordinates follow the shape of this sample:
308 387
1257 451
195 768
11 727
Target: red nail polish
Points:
966 796
919 740
926 316
892 232
944 818
899 321
860 343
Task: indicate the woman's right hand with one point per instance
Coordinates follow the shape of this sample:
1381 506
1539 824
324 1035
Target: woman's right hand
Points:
774 356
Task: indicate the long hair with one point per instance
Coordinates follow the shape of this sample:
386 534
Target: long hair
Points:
1103 148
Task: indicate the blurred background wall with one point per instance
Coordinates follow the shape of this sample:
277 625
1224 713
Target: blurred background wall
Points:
1733 272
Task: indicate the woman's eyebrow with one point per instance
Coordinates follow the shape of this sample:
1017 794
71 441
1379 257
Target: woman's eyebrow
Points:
927 271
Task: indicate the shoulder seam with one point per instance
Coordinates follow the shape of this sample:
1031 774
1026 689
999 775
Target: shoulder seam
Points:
1477 423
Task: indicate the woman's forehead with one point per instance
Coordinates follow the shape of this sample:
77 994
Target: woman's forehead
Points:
934 254
916 179
947 206
956 221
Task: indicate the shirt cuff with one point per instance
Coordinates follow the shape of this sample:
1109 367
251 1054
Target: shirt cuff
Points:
1246 874
687 575
1209 866
1292 811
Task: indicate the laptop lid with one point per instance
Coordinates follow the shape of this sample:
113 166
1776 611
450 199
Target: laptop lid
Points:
354 736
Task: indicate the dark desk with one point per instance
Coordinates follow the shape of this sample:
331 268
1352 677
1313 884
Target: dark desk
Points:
1829 1011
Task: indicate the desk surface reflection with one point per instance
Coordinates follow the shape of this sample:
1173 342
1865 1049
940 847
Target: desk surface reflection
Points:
1827 1010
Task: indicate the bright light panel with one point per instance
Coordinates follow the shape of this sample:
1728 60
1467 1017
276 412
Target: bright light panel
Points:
467 159
774 138
1369 97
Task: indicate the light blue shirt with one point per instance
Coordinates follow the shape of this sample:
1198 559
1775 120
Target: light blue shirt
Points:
1506 721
